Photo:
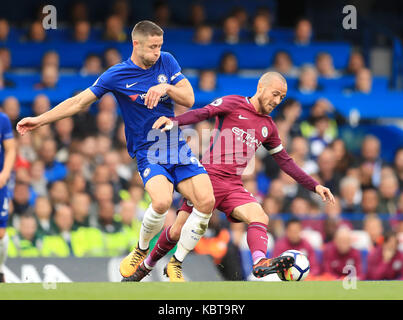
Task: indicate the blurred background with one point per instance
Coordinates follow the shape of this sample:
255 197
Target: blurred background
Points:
76 191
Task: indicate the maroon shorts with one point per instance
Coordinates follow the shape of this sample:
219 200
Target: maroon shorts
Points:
228 194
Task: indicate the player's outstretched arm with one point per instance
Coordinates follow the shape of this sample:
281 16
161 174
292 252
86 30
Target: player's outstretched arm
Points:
65 109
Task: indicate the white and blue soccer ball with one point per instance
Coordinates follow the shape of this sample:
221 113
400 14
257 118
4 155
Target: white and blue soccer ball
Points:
300 270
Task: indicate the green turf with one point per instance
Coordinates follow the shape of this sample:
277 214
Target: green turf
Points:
205 290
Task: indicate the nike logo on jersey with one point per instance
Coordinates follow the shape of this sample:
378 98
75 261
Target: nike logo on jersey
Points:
242 117
130 85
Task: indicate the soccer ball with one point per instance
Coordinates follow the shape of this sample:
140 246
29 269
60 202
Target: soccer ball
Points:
299 271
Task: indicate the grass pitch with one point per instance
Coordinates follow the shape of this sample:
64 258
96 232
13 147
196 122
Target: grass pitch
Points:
316 290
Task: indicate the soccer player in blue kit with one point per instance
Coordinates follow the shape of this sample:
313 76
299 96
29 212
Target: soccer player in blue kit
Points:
145 86
7 159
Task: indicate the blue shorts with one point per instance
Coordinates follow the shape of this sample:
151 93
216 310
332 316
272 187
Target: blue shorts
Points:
3 207
184 164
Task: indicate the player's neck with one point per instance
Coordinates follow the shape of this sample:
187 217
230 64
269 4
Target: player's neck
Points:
137 62
255 103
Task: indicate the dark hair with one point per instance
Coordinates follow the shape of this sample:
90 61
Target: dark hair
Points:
293 219
147 28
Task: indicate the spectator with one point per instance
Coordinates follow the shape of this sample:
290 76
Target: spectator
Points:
207 81
398 166
320 138
228 63
4 30
41 104
59 194
130 224
54 170
370 161
308 80
242 16
11 107
62 243
36 32
385 261
114 29
50 58
43 212
325 67
261 29
106 123
370 201
76 183
79 11
81 32
355 63
203 34
373 226
272 207
64 137
388 191
80 204
4 82
300 154
26 241
197 15
293 240
334 220
122 9
162 14
303 32
107 104
339 253
350 194
345 160
231 30
327 174
363 81
49 78
5 58
92 65
111 57
38 180
283 64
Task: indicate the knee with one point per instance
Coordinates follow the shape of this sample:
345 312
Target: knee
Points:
261 217
205 204
161 205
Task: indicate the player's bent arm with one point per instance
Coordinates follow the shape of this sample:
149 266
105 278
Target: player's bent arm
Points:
10 153
182 93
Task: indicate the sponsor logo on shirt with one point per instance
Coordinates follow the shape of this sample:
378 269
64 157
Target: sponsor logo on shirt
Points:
246 137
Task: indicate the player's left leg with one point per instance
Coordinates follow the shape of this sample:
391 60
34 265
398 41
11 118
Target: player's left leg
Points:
253 214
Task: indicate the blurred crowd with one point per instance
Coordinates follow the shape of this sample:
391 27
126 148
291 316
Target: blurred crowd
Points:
77 192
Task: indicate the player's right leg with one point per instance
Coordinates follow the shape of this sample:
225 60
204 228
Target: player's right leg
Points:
160 190
253 214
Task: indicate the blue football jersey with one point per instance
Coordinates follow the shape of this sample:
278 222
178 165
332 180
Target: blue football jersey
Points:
6 132
129 84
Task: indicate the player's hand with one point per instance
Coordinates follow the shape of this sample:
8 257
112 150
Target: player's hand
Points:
28 124
163 121
154 94
325 193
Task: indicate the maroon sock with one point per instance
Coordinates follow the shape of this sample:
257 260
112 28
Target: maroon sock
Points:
256 237
161 248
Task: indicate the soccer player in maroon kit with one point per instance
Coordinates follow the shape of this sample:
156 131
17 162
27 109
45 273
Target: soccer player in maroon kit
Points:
242 126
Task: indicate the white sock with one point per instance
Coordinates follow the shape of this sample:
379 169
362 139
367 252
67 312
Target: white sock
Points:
151 225
3 251
192 231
